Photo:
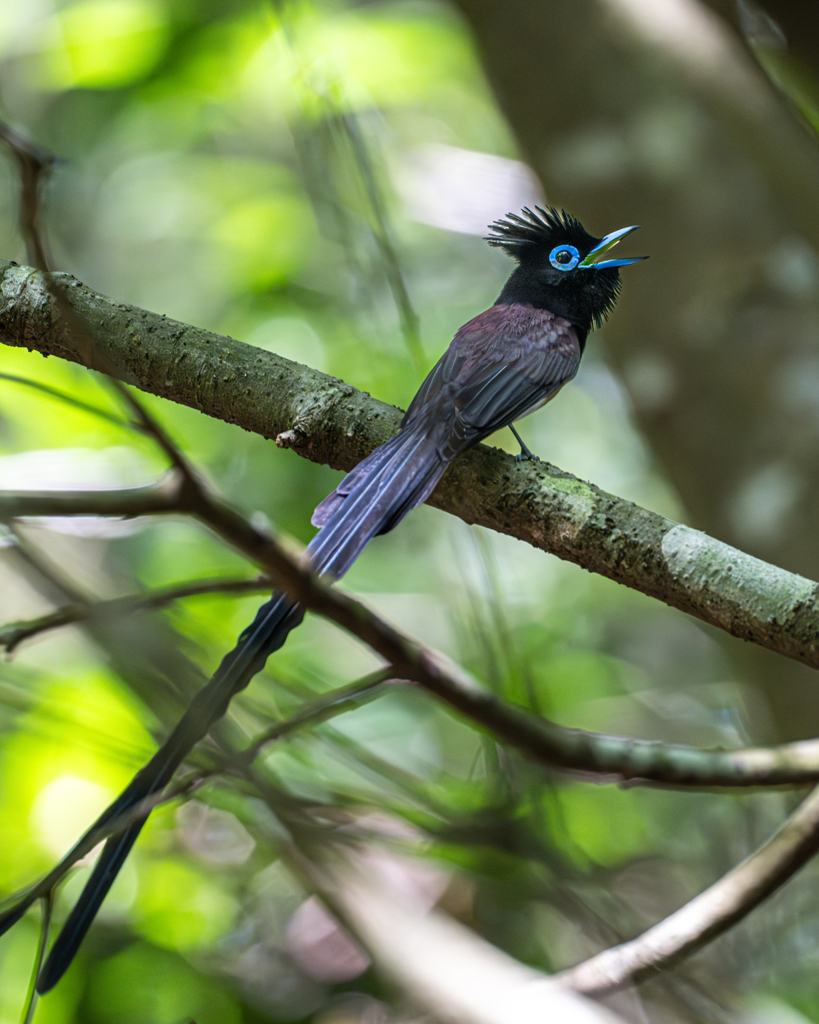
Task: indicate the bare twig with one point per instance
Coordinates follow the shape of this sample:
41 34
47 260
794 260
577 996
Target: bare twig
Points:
12 635
152 428
34 163
63 396
708 915
346 698
166 495
47 906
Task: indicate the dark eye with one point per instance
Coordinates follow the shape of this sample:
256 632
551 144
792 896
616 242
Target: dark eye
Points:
564 257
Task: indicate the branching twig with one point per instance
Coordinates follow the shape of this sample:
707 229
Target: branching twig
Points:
707 915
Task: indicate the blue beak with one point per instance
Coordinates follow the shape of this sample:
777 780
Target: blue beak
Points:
608 243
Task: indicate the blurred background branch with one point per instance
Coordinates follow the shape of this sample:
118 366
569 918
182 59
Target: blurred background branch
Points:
16 632
707 915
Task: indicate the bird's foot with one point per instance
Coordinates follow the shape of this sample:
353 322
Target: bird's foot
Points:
526 455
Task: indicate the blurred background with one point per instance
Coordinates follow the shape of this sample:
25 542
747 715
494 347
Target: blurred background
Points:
314 178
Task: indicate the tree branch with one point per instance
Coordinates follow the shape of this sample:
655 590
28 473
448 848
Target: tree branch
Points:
707 915
615 757
326 420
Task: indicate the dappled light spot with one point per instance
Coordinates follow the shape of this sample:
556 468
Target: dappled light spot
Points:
63 803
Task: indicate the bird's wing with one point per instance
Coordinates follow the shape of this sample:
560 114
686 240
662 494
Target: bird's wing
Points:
499 367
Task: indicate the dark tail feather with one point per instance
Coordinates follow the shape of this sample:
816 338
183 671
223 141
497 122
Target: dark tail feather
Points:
364 470
372 499
266 634
85 909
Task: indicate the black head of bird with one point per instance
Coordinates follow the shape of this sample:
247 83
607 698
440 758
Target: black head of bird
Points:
559 266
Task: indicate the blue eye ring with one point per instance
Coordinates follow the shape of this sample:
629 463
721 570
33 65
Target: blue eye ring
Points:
563 251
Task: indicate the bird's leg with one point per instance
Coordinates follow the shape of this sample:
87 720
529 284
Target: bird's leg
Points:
525 454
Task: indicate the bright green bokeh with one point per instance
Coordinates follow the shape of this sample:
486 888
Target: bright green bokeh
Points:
145 985
606 825
202 915
71 754
106 44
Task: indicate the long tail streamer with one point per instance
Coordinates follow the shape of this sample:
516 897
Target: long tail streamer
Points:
372 499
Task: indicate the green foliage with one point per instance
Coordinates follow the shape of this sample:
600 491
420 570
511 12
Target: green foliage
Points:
211 177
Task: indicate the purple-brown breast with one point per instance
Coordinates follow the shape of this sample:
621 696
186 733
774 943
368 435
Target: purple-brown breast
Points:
507 332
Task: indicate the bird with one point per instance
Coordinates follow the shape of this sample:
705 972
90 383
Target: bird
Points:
501 366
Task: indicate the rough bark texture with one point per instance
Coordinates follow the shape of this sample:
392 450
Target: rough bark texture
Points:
326 420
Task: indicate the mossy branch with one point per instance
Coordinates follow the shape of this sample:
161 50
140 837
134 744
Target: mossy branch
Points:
326 420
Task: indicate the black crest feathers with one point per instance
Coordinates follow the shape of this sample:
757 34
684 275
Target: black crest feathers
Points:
527 234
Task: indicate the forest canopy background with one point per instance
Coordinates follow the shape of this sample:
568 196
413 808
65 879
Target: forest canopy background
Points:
314 179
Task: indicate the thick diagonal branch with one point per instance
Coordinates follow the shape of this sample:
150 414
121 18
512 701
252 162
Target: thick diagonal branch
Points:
615 757
328 421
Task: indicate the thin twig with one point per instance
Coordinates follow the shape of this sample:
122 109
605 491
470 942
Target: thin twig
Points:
151 427
320 710
165 495
12 635
708 915
47 906
63 396
35 163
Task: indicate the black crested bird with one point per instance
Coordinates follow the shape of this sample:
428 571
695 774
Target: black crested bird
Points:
501 366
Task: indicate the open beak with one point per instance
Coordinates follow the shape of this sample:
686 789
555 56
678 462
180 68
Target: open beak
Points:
608 243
